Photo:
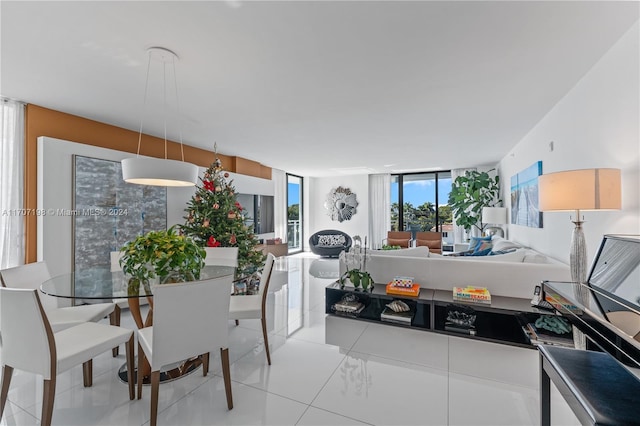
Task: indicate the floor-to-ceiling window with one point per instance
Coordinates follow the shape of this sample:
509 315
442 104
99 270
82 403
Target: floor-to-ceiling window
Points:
294 213
419 203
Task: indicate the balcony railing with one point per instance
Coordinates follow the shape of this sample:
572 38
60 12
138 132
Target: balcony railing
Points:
294 233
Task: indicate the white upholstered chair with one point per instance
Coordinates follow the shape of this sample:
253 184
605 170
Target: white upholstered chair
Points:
189 320
32 275
224 256
254 306
30 344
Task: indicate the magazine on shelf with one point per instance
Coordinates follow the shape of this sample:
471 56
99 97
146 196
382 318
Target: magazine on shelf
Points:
398 317
472 295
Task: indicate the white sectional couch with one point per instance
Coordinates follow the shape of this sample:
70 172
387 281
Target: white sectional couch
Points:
512 274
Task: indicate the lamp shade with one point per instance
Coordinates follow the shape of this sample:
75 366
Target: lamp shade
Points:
496 215
159 172
587 189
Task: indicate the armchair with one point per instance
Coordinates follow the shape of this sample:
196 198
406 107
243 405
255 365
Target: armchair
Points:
433 240
398 238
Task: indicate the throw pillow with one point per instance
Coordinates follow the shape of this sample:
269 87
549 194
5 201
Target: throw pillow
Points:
484 245
476 241
331 240
483 252
503 244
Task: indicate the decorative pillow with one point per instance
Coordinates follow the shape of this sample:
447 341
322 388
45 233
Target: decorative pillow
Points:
331 240
483 246
482 252
476 241
503 244
514 256
398 242
495 252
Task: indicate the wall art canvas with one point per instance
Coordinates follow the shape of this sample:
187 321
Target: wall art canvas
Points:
108 212
524 197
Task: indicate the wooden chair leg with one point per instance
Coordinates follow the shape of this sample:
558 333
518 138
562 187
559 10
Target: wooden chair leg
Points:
226 373
87 373
140 377
155 387
129 349
7 372
114 319
205 364
266 339
48 396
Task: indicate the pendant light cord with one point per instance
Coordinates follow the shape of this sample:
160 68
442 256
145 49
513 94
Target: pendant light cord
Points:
175 85
144 104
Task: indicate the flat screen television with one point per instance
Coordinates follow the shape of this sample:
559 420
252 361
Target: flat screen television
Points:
258 212
615 282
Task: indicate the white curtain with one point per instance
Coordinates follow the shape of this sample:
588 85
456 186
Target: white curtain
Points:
279 178
11 183
459 234
379 208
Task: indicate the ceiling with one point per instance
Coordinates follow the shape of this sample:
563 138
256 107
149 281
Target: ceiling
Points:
315 88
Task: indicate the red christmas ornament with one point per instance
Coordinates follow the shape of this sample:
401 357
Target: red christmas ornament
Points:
233 239
226 175
238 206
208 185
212 242
216 206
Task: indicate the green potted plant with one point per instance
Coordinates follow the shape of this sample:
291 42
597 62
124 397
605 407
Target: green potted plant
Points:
164 254
469 194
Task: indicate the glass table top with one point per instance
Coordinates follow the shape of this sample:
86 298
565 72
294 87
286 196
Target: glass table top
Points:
101 283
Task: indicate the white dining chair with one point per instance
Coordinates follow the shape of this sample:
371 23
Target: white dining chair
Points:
223 256
32 275
189 320
254 306
30 344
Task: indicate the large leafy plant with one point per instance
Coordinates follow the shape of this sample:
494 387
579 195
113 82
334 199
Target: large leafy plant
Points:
470 193
162 253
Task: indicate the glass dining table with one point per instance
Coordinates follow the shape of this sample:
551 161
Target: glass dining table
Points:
101 284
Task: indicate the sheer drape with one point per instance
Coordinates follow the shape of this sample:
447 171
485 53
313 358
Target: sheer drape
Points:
11 183
379 208
459 234
279 178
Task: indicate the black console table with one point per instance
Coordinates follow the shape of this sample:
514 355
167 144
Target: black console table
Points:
597 388
500 322
596 383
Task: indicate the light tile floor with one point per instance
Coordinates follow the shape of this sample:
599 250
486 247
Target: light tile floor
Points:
325 371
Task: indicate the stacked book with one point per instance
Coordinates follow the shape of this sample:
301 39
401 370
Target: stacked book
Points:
472 294
348 307
390 315
403 286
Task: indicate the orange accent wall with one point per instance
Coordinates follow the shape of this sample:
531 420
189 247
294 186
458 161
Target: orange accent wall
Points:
41 121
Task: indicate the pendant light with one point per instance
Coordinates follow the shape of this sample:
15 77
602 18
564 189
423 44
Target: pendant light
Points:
160 171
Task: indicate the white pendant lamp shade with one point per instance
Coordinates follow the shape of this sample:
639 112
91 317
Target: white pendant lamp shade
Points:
159 172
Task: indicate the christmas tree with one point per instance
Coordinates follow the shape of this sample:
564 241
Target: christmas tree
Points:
216 219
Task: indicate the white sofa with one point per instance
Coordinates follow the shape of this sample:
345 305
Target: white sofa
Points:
513 274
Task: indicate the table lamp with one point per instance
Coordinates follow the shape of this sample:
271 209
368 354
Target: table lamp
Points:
494 216
587 189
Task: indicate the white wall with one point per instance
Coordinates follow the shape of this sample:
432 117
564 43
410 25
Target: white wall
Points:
55 159
316 192
595 125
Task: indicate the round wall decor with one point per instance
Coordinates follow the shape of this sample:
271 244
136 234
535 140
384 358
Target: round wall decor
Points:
341 204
